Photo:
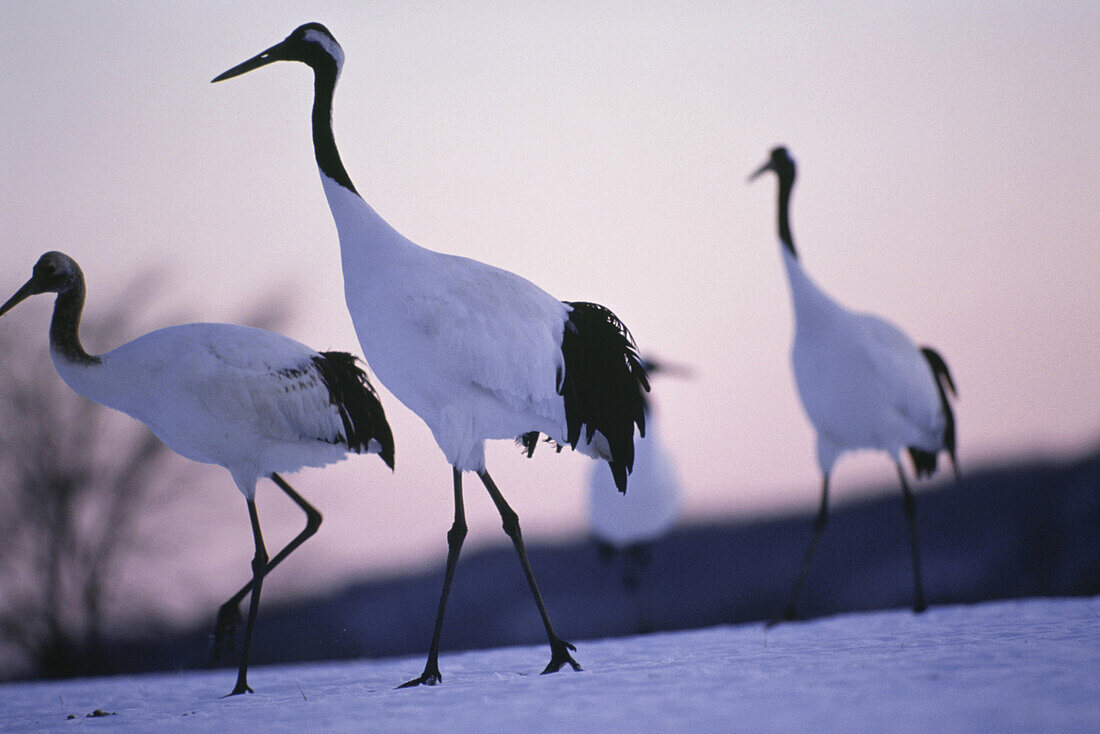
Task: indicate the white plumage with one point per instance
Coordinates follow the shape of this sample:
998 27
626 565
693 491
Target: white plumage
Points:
485 343
627 525
254 402
243 398
862 382
477 352
651 507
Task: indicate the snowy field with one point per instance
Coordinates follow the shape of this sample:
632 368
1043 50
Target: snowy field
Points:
1031 665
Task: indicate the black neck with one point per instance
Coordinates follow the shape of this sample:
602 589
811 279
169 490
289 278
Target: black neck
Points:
324 142
65 325
786 184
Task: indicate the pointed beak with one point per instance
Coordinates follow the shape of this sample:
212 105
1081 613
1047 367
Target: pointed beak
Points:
674 369
275 53
30 288
766 167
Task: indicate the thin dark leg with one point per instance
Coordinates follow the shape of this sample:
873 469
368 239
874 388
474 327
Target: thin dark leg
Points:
911 516
559 649
636 559
229 615
431 675
259 568
820 522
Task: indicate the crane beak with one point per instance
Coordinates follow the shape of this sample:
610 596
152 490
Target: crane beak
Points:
30 288
275 53
766 167
664 367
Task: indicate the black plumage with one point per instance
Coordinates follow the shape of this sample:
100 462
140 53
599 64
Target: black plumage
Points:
924 462
603 384
360 410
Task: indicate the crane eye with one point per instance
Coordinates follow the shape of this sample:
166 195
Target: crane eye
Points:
52 273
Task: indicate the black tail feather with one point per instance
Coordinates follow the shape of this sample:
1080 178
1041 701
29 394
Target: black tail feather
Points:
360 409
603 384
924 461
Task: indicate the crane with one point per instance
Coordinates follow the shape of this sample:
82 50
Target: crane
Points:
627 526
863 384
475 351
250 400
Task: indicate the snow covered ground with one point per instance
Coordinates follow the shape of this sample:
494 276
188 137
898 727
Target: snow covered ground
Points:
1029 665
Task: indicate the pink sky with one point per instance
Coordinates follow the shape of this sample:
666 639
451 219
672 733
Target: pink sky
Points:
948 180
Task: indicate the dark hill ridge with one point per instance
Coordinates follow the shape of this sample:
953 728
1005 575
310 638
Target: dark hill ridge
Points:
1017 531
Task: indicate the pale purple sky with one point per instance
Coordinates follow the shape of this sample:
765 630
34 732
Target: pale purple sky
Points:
948 181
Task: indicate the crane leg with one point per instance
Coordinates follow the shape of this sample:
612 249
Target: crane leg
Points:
636 559
229 614
820 522
559 649
909 504
431 675
259 568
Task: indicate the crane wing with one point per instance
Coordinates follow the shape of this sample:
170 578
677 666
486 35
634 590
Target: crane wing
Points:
897 363
240 380
492 329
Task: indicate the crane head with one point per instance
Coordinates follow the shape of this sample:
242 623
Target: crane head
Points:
312 44
55 272
780 162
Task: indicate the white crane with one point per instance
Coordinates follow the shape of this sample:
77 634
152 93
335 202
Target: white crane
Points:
863 385
477 352
252 401
628 525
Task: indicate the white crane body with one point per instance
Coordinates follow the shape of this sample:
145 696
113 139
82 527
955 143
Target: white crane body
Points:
651 507
249 400
485 342
859 377
862 382
477 352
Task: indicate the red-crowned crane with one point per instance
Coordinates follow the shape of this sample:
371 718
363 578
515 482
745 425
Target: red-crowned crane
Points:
863 385
627 526
477 352
252 401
